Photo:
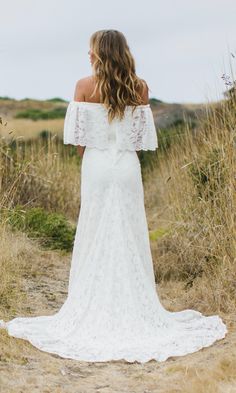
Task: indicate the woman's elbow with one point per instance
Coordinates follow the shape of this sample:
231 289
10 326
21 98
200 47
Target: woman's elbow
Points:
80 150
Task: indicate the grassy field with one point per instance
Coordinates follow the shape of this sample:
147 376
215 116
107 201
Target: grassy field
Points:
189 186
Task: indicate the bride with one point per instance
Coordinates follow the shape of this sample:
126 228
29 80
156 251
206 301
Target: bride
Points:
112 311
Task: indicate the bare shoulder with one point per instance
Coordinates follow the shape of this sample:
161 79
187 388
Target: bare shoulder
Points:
82 87
85 86
86 81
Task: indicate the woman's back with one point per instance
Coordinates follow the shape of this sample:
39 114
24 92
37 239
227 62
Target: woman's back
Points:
85 87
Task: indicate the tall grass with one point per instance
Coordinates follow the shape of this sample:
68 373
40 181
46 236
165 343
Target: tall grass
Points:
197 181
41 173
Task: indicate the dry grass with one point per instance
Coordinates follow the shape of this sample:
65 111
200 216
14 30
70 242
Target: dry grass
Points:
17 254
26 129
40 175
192 194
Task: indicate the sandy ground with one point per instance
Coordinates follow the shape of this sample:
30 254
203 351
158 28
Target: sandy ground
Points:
24 368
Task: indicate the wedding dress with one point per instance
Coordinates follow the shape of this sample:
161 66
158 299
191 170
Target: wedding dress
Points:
112 311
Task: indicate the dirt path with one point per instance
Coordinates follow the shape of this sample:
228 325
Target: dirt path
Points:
24 368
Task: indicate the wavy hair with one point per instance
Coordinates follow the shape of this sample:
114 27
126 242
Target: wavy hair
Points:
114 73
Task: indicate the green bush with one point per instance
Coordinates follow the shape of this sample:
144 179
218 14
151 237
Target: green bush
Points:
148 159
38 114
7 98
173 134
154 101
45 134
169 136
158 233
56 99
52 229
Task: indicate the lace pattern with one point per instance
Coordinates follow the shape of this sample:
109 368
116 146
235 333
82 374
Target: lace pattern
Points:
86 124
138 132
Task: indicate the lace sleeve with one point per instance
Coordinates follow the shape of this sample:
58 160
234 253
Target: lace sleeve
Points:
143 130
74 133
84 127
139 132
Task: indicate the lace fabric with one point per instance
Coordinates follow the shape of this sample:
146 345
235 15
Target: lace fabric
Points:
112 310
86 124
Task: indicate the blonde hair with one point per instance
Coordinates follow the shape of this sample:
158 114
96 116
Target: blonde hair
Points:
114 72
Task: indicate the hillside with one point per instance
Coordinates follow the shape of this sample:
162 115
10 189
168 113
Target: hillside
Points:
165 115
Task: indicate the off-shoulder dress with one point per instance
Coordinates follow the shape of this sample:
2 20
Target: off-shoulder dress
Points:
112 310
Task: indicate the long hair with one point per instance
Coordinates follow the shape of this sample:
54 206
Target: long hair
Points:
114 72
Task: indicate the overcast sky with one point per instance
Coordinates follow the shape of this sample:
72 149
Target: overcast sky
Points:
181 47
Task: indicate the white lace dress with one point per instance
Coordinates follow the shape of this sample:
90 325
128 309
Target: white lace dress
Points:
112 310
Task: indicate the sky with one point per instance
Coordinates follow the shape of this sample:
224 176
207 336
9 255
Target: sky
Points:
181 47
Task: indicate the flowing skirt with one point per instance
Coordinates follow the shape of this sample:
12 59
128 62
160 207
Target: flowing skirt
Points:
112 310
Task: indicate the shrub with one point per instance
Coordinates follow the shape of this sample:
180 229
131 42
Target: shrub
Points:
38 114
45 134
52 229
56 99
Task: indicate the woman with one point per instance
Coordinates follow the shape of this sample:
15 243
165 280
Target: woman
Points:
112 310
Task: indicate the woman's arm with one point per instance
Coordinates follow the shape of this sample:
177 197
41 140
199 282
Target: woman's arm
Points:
145 101
80 96
80 150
